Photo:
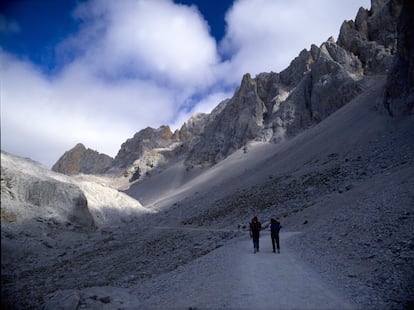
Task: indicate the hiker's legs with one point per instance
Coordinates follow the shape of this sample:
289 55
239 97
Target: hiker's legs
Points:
256 243
277 243
273 243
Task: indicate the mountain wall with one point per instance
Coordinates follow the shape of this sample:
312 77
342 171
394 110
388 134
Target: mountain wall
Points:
273 107
399 92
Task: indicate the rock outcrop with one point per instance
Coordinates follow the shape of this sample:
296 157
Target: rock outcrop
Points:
372 37
239 120
82 160
143 141
148 149
274 106
31 194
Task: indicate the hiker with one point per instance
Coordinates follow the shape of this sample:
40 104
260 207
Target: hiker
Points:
255 228
274 233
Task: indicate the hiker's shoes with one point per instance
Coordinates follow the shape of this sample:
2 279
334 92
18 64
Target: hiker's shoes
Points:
257 250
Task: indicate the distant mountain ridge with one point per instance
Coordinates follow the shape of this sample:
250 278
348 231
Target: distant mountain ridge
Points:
275 106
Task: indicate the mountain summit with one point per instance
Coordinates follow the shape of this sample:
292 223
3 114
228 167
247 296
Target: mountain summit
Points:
80 159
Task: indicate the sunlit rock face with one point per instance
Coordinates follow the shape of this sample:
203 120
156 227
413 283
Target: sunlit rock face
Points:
146 139
30 193
82 160
274 106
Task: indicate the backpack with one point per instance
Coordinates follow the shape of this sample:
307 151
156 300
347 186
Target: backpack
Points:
255 226
275 227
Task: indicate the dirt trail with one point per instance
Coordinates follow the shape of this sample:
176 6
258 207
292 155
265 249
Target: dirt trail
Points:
230 277
234 277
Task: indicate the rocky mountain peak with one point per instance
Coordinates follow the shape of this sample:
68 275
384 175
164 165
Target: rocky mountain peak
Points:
273 106
193 127
373 35
79 159
145 140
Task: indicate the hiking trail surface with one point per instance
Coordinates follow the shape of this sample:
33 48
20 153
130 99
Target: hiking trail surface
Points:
234 277
229 277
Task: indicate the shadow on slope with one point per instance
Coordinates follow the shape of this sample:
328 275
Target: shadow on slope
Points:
287 170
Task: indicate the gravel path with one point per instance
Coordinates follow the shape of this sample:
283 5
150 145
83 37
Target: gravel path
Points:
233 277
230 277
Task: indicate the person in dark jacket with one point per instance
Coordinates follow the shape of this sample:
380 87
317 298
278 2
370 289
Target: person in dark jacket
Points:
274 233
255 227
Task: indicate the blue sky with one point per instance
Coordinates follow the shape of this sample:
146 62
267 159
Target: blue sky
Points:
98 71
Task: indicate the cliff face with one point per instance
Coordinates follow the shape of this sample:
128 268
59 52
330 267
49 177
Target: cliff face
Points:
372 37
275 106
272 107
399 93
143 141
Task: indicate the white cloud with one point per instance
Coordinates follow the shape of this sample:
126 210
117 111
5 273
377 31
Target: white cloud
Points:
150 38
75 107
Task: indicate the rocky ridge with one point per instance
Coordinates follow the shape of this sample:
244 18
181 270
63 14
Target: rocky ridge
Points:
274 106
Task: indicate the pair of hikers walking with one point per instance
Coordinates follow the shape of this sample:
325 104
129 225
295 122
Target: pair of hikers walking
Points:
256 227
